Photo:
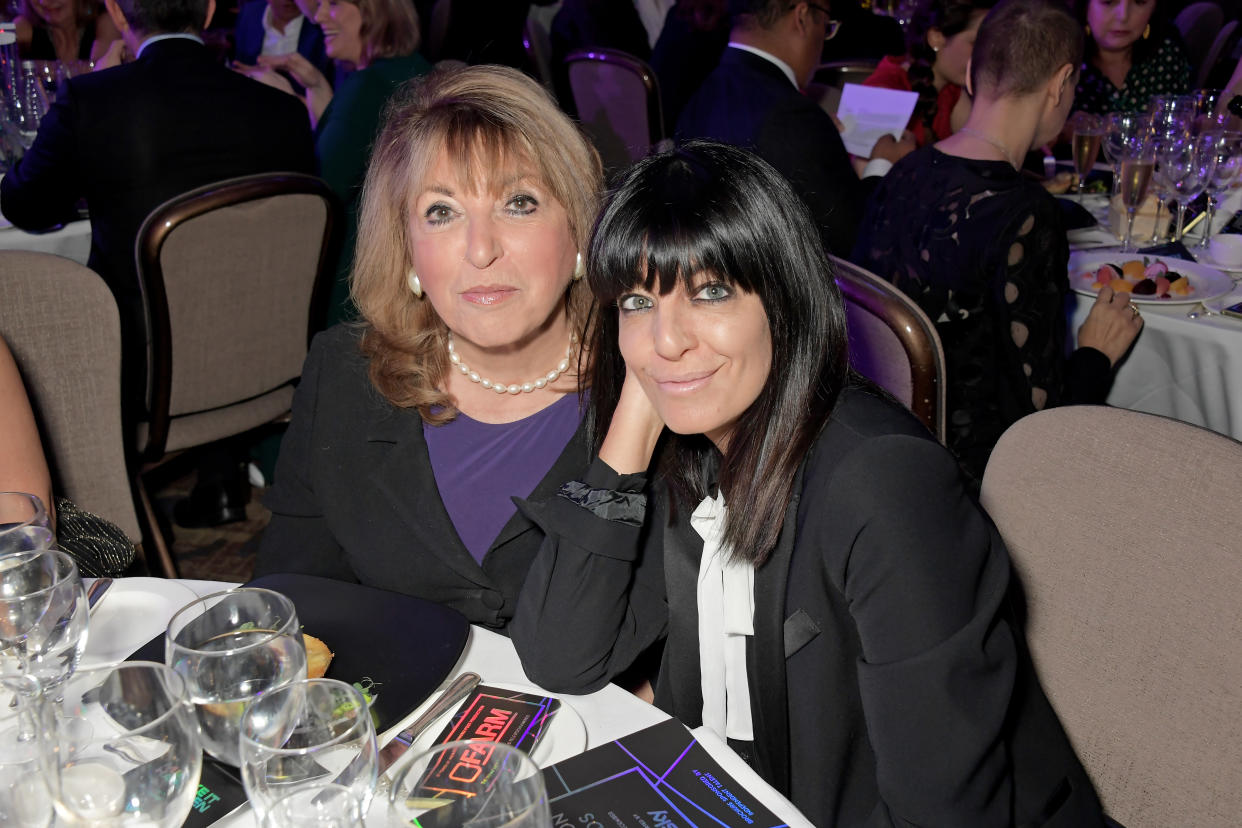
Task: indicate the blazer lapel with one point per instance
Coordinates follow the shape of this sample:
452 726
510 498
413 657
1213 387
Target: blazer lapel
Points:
679 688
769 702
403 473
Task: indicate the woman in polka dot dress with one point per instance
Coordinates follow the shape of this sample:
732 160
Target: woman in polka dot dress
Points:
1131 55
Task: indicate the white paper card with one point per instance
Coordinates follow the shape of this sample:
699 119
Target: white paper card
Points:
869 112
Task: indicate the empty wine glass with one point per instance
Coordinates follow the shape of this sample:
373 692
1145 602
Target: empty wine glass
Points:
1089 131
1210 110
1227 149
1188 167
230 647
305 736
24 524
43 616
125 750
1172 116
476 783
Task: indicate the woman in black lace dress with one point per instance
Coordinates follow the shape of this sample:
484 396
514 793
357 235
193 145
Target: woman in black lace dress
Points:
983 250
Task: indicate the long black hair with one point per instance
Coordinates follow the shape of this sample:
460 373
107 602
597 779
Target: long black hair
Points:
708 207
949 17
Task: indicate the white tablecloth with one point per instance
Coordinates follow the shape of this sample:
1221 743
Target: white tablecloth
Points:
73 241
138 609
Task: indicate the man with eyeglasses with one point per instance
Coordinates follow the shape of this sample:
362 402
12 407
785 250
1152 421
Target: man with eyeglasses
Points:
754 99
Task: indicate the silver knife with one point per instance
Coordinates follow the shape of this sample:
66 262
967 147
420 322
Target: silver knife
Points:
448 699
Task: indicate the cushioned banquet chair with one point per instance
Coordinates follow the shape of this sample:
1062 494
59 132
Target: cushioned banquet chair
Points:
236 277
1124 529
830 78
1198 24
61 323
1215 53
618 103
894 344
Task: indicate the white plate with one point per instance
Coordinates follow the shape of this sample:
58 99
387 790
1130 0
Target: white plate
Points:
131 613
1205 282
1204 256
566 736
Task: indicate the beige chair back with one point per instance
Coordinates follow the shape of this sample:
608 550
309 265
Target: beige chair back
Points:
894 344
1126 532
1198 24
1214 53
618 103
61 322
235 277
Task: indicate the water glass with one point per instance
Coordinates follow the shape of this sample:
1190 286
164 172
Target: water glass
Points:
303 737
125 749
24 802
230 647
476 783
24 524
330 806
1226 167
1188 163
43 616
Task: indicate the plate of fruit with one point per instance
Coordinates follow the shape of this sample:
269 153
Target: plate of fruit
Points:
1148 279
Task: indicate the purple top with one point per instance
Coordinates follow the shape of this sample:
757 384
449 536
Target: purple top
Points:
480 466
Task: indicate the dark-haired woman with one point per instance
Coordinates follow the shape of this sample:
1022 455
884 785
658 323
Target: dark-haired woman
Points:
64 30
941 35
1132 55
833 601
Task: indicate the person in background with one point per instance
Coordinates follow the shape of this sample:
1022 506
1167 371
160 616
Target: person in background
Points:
278 27
834 602
941 36
1132 54
982 249
413 430
64 30
375 41
753 99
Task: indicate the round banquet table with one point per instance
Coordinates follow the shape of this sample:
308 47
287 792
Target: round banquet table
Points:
135 610
73 240
1187 369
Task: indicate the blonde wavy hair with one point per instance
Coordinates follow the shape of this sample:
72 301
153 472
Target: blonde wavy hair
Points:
389 28
487 118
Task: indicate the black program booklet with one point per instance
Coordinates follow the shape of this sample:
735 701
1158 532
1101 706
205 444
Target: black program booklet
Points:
660 777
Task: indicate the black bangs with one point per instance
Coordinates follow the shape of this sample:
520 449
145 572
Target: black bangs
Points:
673 222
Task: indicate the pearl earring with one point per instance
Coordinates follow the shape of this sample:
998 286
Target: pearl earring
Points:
416 287
579 268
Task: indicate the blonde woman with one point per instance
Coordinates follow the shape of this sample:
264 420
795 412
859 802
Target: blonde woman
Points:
413 430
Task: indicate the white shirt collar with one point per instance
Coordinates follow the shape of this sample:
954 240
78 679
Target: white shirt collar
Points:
780 64
173 36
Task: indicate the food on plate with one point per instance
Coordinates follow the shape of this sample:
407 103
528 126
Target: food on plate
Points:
318 656
1140 277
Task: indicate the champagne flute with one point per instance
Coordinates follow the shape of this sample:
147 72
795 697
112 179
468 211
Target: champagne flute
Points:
1136 171
230 647
306 736
125 750
1227 149
472 783
1088 133
24 524
1124 128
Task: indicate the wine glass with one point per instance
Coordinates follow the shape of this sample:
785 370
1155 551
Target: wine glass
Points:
1188 167
1211 114
1137 165
24 524
230 647
23 796
43 616
1089 131
125 750
1124 128
1227 150
332 806
1172 116
476 783
305 736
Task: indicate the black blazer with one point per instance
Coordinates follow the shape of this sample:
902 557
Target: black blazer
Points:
355 497
130 138
747 101
890 685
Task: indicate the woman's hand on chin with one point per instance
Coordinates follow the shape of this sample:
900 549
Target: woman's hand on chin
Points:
635 428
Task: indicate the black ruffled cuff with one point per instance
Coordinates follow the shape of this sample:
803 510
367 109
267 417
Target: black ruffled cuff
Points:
619 507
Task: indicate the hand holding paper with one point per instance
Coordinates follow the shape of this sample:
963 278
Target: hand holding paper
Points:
867 113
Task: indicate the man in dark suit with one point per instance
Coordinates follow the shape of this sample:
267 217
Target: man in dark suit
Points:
753 99
130 137
287 25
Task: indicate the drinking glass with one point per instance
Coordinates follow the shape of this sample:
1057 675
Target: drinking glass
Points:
1088 133
1210 110
230 647
24 524
1188 167
1124 129
1137 165
332 806
23 796
475 783
1226 167
305 736
125 750
43 616
1172 116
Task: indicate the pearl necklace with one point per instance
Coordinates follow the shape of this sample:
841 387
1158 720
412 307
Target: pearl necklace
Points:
982 137
500 387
